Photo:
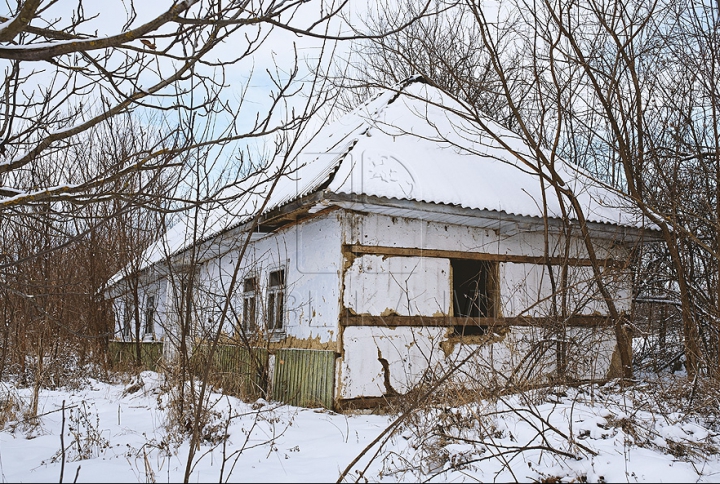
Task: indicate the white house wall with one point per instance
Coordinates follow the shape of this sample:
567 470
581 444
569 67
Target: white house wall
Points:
387 231
382 230
158 289
406 286
379 361
527 289
407 352
322 282
310 253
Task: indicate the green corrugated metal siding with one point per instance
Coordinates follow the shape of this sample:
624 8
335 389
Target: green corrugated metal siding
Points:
235 370
304 377
123 352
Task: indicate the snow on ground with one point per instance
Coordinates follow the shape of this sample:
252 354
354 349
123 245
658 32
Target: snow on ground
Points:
118 433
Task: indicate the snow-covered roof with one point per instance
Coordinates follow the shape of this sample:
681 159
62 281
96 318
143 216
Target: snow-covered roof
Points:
410 143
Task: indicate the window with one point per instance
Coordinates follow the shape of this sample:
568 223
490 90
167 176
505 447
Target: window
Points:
474 294
276 300
184 299
250 286
127 320
473 288
150 314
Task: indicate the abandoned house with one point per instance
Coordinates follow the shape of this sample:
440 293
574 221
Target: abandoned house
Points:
403 240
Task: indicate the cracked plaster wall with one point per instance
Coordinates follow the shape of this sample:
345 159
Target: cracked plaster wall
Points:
381 361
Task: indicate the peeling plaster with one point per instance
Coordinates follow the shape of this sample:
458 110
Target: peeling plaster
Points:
311 343
494 336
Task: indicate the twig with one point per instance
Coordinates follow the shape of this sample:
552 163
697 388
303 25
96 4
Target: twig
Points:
692 393
62 443
517 412
33 417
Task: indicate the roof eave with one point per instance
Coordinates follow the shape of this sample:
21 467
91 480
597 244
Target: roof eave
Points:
501 221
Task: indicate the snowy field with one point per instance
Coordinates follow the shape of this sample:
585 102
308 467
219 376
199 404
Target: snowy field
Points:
119 433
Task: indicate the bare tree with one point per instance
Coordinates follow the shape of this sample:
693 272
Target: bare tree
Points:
630 108
60 82
72 73
443 45
58 256
514 72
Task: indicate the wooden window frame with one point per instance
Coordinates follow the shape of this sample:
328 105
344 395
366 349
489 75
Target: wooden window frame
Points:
276 301
248 322
126 329
149 314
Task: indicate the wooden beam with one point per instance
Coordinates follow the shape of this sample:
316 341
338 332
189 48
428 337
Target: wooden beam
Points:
366 403
447 321
457 254
288 220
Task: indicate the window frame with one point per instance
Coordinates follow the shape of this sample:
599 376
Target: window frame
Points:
149 314
126 329
275 307
247 326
